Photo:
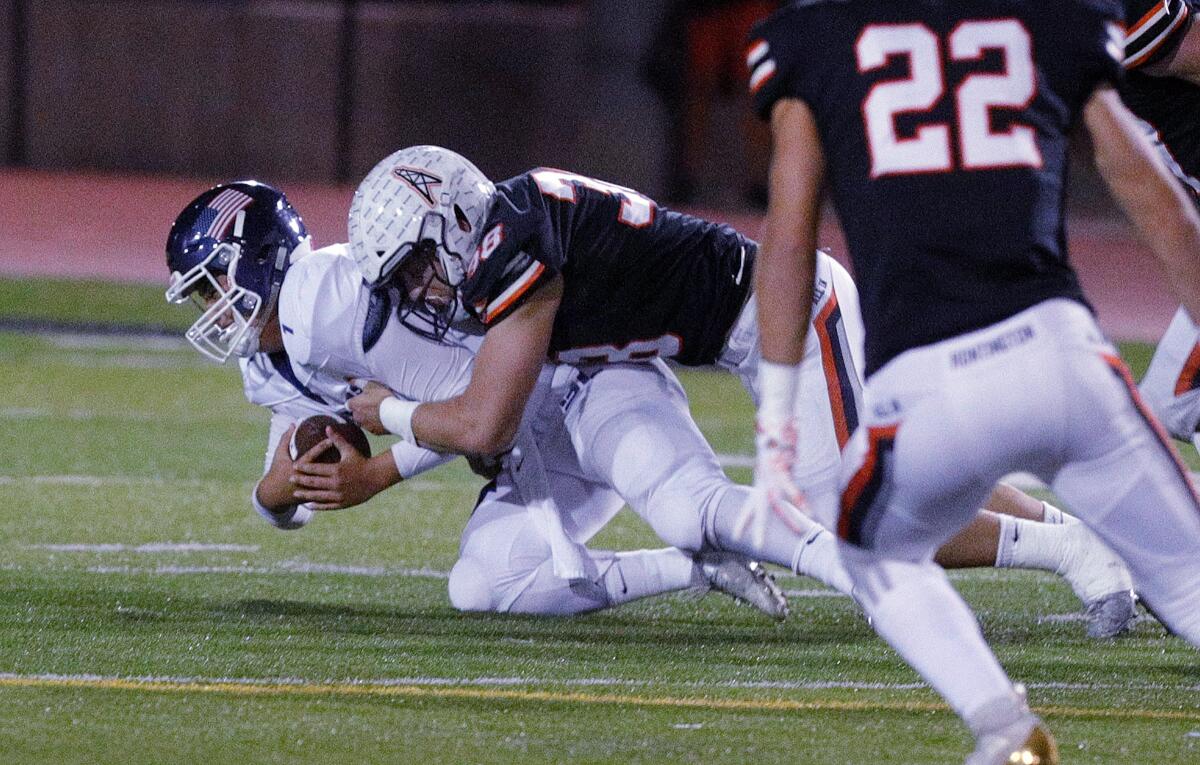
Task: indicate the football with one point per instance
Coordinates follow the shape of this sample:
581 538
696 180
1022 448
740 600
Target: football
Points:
311 430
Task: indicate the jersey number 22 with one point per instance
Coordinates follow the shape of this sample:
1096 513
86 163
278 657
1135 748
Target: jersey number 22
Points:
929 149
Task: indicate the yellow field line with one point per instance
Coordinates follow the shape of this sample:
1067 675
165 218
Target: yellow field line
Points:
556 697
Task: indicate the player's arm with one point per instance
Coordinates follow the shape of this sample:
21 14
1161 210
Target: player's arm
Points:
350 481
783 281
1148 193
784 267
484 418
273 496
1163 40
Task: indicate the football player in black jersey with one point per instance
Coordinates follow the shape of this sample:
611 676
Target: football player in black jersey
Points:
559 266
633 270
1162 55
940 128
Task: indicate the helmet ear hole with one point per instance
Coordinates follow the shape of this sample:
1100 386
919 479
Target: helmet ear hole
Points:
460 217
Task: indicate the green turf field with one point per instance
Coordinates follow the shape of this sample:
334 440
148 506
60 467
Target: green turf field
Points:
147 615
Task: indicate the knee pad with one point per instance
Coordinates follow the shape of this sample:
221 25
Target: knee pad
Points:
470 587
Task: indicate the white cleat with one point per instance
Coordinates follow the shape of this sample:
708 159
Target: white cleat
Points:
744 580
1099 578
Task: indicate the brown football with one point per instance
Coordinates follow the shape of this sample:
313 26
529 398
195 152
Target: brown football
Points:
311 430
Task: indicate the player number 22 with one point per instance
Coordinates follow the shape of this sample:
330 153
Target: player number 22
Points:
928 150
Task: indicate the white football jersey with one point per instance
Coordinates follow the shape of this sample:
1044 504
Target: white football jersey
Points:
269 380
322 310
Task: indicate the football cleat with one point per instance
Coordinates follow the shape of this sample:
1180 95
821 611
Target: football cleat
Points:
1100 579
1028 743
1009 734
1111 615
743 580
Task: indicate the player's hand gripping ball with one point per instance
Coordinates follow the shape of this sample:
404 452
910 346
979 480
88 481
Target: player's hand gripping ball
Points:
311 431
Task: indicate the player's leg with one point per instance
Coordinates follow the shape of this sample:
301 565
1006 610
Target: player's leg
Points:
1011 538
1172 383
505 565
631 428
944 422
1130 486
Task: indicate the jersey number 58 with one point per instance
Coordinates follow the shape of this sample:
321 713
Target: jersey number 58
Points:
637 210
928 150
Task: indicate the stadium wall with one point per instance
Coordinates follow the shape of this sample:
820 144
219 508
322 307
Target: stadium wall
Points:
320 90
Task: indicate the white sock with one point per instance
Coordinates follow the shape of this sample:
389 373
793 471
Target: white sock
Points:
817 556
915 609
1056 516
640 573
1029 544
618 578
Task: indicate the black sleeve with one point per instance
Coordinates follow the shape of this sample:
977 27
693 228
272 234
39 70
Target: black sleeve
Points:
515 256
771 59
1154 29
1099 32
512 281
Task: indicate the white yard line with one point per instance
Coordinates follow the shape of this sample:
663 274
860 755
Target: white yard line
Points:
81 341
572 682
149 547
77 415
282 567
96 481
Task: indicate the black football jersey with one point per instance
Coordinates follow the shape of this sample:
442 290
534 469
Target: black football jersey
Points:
944 125
1170 105
639 280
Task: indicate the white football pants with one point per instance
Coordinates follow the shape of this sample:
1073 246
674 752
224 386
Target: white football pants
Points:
1042 391
623 433
1172 382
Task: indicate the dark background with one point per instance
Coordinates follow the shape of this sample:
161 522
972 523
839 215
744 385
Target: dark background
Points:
317 90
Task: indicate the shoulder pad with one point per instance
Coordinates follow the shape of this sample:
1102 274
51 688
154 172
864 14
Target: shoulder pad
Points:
318 303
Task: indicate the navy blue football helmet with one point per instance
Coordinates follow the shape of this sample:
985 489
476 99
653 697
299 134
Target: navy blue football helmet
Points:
228 252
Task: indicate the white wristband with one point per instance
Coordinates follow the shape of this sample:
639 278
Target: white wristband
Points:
777 388
396 415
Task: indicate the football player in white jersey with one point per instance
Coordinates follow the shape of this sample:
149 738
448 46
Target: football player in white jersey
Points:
426 210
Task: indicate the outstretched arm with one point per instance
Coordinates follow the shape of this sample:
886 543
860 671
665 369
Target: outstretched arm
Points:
783 282
1149 194
484 418
784 267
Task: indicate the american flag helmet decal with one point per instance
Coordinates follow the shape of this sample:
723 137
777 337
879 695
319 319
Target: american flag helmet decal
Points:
217 217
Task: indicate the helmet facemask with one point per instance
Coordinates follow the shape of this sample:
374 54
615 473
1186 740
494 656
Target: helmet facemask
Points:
231 316
428 277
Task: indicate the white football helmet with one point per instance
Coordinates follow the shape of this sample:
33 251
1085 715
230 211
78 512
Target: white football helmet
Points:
417 194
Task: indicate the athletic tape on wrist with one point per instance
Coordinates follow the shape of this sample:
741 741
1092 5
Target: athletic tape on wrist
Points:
777 385
396 415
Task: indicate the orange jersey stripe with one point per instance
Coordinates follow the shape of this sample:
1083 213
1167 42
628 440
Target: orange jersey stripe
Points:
829 365
1122 371
1144 20
1188 376
854 490
518 289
